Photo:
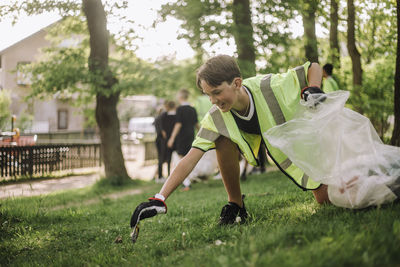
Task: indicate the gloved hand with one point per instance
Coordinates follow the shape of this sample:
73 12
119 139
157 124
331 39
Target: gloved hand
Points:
146 210
313 94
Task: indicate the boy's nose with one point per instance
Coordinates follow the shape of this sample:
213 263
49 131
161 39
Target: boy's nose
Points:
213 100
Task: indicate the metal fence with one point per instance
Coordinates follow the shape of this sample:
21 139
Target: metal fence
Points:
42 159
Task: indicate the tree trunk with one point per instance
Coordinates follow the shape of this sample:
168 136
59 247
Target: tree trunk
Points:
355 56
243 33
106 100
334 53
395 141
311 44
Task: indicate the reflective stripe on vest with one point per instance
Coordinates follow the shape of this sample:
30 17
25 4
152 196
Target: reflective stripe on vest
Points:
301 75
270 97
271 100
208 135
219 122
304 180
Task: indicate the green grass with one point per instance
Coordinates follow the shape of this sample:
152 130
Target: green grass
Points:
287 228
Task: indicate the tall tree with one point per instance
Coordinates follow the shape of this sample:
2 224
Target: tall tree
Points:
334 52
102 81
106 100
208 22
308 11
243 33
354 55
396 131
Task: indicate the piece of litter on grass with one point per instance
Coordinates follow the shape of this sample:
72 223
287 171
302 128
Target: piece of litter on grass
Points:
118 239
218 242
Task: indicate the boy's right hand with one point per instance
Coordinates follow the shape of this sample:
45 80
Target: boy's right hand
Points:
146 210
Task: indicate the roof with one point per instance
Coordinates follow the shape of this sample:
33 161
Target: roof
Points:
28 37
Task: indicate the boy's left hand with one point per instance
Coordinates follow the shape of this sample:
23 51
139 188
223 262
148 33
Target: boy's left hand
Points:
313 92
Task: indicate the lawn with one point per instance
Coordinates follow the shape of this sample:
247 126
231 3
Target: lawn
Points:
287 228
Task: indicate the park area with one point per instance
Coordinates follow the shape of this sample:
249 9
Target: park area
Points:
90 227
102 101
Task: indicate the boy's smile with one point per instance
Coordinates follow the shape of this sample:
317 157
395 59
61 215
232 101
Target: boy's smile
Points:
226 96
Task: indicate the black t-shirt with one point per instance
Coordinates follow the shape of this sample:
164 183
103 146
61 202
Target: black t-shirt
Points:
167 123
187 116
249 126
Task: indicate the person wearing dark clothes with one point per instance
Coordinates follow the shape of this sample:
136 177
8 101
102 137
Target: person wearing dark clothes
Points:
186 120
160 143
168 120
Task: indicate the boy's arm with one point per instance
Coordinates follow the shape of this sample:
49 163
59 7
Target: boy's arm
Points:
181 171
314 75
175 131
156 204
313 90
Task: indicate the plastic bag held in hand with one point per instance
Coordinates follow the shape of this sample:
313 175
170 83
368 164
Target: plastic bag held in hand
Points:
336 146
313 96
146 210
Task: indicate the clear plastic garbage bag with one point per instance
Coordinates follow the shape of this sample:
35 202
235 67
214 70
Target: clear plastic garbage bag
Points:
338 147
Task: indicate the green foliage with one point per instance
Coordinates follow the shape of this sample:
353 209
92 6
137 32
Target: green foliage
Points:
24 121
378 88
134 75
5 114
204 22
376 29
287 228
377 92
63 69
170 76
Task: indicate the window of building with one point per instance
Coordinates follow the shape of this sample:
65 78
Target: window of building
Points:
62 119
23 78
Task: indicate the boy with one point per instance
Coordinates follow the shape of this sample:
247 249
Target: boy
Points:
243 110
329 84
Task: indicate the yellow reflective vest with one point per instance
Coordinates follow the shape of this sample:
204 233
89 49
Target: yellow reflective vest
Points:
276 97
329 85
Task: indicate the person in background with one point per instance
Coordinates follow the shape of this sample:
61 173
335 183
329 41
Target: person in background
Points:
328 84
186 121
168 120
161 145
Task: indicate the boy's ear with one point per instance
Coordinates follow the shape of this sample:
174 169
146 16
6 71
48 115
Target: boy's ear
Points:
238 82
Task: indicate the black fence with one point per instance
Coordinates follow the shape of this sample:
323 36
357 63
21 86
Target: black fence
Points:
43 159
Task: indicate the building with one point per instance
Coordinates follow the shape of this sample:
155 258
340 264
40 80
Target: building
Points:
52 115
54 118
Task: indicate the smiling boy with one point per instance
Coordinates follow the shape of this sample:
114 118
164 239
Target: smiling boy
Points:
242 111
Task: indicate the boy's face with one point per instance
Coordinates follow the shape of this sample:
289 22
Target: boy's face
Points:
225 96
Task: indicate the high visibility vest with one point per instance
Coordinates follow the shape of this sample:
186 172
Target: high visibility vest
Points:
329 85
276 97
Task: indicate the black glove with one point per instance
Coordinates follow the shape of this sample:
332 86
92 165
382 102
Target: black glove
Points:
313 92
146 210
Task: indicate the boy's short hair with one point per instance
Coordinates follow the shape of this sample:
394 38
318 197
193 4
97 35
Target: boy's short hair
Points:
217 70
184 93
328 68
170 104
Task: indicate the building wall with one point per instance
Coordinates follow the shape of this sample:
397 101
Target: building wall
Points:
45 112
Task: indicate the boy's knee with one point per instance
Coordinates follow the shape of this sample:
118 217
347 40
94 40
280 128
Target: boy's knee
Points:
321 194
